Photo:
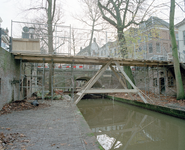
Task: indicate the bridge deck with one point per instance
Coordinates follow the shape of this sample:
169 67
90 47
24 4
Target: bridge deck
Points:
48 58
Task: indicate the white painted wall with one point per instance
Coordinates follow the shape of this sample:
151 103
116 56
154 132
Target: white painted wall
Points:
181 42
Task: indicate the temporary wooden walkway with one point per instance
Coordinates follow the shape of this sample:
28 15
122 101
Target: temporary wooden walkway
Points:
48 58
105 62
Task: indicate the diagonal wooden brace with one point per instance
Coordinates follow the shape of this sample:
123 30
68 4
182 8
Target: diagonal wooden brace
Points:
91 82
122 83
128 79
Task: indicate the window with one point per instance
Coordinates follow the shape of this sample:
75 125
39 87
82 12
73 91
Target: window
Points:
184 37
150 48
158 47
170 82
177 36
28 84
154 81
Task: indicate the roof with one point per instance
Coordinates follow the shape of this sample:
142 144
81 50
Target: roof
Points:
153 21
110 44
87 49
180 23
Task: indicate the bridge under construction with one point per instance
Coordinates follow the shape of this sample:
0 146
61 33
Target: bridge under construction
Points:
152 77
103 62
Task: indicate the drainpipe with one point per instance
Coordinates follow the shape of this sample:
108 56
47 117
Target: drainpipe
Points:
0 36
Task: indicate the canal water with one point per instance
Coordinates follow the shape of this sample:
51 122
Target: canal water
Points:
120 126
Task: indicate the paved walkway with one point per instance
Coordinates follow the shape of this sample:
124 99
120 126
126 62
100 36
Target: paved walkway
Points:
59 126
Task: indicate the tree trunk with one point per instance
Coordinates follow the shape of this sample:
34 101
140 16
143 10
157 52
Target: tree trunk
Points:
179 84
90 42
124 53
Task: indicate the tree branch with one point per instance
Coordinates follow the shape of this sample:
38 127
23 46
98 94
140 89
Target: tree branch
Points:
125 13
105 17
54 5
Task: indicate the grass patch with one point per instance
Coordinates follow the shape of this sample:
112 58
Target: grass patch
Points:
90 134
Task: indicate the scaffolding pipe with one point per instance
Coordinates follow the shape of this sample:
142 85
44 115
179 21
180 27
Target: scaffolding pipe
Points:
158 81
72 78
20 79
43 79
164 81
52 78
145 78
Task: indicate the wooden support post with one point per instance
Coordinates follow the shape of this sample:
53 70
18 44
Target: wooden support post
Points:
128 79
119 78
91 82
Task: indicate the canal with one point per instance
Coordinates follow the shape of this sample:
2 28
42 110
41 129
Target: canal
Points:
121 126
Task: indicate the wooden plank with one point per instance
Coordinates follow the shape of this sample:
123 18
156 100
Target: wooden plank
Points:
37 58
83 61
90 91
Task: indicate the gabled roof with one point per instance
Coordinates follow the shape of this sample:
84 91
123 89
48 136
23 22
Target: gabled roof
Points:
153 21
87 49
180 23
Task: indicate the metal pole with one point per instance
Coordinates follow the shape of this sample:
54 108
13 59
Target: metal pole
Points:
20 79
164 80
106 45
43 79
135 80
52 78
11 36
153 84
158 81
145 79
31 78
72 78
148 79
134 51
0 36
70 40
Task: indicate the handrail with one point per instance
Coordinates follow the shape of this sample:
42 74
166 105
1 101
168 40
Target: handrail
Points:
180 55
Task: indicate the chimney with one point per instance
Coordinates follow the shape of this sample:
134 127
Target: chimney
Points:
94 40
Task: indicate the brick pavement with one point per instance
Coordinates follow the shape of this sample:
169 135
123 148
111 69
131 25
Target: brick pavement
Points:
59 126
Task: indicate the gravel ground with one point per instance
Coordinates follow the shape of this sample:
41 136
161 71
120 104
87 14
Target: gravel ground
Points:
53 125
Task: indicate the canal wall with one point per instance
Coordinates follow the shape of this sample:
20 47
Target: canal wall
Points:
156 108
9 77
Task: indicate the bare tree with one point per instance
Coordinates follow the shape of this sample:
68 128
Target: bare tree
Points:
91 18
122 14
178 77
50 14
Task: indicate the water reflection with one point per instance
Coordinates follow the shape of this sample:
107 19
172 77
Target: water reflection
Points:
125 127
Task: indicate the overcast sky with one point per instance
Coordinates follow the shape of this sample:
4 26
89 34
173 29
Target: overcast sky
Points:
13 10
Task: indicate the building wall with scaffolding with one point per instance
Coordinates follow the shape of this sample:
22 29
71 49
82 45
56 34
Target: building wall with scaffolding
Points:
9 77
157 81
